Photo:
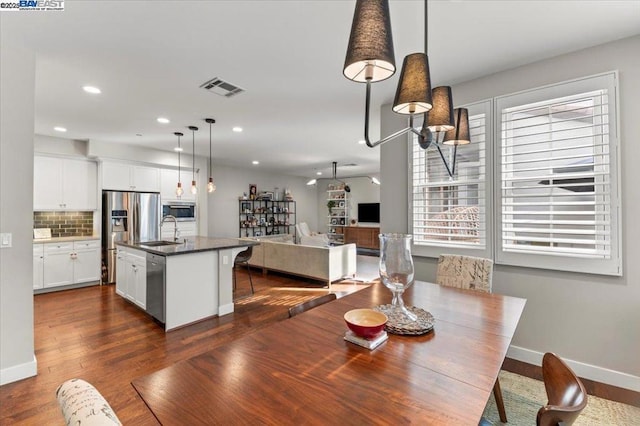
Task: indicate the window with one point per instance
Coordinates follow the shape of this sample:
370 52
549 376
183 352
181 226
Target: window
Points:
557 203
451 211
551 200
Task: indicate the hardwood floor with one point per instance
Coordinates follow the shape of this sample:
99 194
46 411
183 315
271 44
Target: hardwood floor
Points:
94 334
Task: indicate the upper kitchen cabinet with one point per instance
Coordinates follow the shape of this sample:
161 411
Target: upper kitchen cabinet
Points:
130 177
64 184
169 182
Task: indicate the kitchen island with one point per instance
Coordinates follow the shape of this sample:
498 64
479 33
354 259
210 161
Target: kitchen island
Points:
188 281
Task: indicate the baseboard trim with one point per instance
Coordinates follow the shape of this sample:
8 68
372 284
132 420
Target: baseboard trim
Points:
19 372
225 309
588 371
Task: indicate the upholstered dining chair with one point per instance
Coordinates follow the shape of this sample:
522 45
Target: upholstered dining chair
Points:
243 259
473 273
566 394
310 304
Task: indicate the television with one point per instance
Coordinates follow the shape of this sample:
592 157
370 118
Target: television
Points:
369 212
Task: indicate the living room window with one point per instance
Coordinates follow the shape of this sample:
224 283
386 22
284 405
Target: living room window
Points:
553 202
451 211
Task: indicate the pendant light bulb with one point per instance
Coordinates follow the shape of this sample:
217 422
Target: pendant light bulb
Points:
194 189
179 190
211 187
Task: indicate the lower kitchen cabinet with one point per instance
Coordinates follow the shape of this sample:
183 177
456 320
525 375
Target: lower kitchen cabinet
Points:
131 275
38 266
67 263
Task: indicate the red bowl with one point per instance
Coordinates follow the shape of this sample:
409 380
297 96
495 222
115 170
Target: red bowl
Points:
365 323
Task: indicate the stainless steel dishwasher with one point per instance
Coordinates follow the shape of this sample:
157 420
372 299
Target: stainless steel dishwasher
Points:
156 290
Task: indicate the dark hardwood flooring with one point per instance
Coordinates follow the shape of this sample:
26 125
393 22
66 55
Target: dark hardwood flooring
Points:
94 334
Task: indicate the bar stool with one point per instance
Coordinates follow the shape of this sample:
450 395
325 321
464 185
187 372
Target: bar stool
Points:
243 259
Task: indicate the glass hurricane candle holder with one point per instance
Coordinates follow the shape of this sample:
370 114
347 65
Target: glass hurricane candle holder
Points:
396 269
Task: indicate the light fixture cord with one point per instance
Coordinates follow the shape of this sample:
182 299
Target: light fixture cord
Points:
179 148
426 27
193 157
209 149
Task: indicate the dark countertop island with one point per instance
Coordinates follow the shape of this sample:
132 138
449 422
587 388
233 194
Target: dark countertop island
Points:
192 245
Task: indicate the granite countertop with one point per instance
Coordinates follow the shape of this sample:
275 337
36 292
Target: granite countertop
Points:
192 245
66 239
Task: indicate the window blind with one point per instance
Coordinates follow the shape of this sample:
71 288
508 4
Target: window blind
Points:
557 179
451 212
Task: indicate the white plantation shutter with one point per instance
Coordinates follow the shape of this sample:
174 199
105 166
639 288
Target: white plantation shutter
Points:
452 212
557 185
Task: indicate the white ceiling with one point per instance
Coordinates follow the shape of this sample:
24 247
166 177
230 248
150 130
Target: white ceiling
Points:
298 112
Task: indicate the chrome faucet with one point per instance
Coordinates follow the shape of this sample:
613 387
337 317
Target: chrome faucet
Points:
175 225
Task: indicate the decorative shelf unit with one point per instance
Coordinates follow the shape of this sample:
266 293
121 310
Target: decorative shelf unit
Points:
338 217
265 217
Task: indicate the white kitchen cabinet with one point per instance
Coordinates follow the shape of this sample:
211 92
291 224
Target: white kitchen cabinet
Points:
130 177
185 229
64 184
86 263
38 266
121 271
58 264
169 182
67 263
136 278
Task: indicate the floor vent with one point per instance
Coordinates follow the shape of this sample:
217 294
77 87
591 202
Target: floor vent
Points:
221 87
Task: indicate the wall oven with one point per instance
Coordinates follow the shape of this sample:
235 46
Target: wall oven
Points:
183 211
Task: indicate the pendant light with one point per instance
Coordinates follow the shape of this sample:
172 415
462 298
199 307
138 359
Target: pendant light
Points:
179 190
211 187
194 189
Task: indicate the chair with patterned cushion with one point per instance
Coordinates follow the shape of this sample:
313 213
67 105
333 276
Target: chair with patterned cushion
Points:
473 273
82 404
566 394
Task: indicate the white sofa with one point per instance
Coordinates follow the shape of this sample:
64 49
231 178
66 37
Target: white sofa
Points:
279 253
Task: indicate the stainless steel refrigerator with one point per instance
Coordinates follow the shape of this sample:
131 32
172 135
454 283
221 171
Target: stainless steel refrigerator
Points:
127 217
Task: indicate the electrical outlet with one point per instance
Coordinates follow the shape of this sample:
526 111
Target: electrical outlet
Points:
225 260
5 240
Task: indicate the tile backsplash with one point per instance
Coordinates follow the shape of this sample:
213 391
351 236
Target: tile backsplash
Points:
65 224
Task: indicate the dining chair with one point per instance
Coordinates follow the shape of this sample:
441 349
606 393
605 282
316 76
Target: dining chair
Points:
310 304
81 403
566 394
473 273
243 259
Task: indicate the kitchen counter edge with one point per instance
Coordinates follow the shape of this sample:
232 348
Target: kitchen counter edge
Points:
192 245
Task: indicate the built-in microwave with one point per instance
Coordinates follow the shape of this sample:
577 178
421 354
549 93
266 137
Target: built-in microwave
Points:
183 211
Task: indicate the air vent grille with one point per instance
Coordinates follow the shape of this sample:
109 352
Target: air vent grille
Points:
221 87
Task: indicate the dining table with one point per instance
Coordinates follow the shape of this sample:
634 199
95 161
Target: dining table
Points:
302 371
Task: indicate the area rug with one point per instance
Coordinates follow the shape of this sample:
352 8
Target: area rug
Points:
523 397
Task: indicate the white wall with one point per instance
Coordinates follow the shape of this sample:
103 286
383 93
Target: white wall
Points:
17 80
231 182
594 321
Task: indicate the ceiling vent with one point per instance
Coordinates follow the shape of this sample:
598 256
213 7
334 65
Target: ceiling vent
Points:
221 87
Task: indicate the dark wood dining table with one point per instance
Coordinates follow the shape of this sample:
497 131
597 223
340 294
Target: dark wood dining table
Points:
302 371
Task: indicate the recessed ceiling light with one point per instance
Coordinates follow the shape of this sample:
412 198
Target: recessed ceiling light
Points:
59 129
91 89
178 149
163 120
237 129
255 162
319 173
362 142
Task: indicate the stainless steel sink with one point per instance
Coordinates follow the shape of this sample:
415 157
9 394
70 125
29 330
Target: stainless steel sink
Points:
158 243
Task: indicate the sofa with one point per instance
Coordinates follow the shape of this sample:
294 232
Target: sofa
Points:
279 253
